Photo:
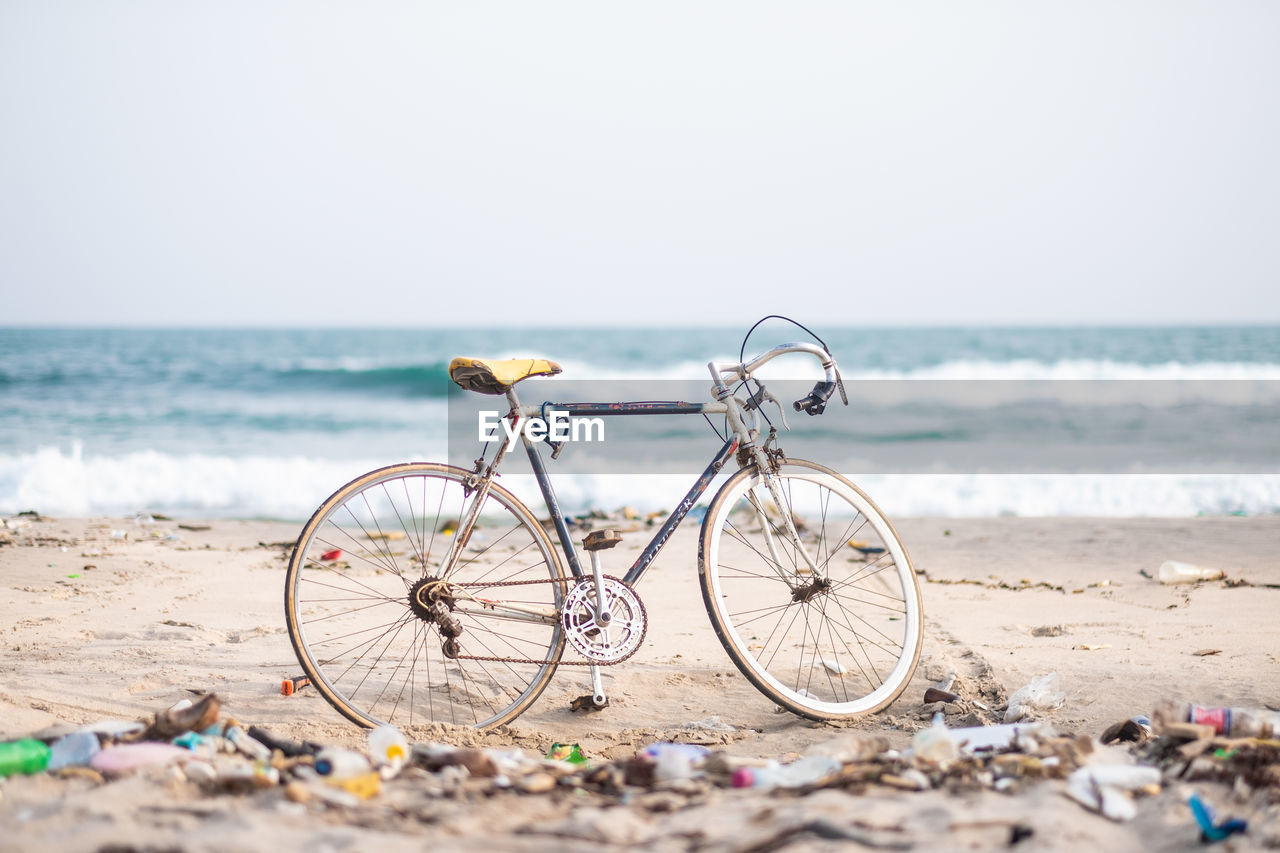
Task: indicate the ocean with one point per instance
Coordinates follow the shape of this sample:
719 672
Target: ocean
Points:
267 423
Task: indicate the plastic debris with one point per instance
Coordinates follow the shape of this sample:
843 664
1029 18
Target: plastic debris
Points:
1105 788
74 750
1040 694
290 686
330 556
25 756
1133 730
1209 830
339 764
388 748
676 760
131 756
804 772
935 745
569 752
185 716
1173 572
1236 722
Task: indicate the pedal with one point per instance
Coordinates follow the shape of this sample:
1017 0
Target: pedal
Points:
587 703
600 540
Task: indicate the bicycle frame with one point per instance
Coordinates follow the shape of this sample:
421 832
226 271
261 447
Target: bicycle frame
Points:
744 431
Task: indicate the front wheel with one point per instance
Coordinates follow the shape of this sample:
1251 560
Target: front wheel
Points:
821 614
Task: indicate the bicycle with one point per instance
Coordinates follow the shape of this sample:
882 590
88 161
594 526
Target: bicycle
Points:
819 610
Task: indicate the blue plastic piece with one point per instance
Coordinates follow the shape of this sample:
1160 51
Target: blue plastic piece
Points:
1209 831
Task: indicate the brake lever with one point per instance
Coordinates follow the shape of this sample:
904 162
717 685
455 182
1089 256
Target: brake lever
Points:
762 396
844 398
782 413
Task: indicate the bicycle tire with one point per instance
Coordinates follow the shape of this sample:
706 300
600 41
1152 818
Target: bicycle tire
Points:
349 610
869 609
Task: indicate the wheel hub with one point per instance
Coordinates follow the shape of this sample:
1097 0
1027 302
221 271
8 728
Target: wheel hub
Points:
424 595
804 594
430 601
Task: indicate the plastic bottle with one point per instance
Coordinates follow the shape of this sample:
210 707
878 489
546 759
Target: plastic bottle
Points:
339 764
74 750
1233 722
388 746
810 770
935 745
1171 571
23 756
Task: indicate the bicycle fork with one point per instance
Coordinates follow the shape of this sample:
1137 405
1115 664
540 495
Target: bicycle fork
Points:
809 567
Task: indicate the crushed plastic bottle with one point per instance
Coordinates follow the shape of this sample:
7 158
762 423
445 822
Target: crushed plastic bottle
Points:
23 756
74 750
810 770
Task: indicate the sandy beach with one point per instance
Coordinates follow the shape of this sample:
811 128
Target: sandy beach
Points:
103 627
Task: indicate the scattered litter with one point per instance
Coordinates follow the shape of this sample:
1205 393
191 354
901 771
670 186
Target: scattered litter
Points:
1209 830
194 528
673 761
568 752
933 694
1171 572
1040 694
710 724
1233 722
1133 730
1204 653
330 556
1091 647
1106 788
290 686
131 756
834 667
74 750
809 771
25 756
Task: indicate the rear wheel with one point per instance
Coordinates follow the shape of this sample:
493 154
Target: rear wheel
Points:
832 640
386 639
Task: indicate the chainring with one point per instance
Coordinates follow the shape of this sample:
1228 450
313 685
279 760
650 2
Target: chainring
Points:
609 644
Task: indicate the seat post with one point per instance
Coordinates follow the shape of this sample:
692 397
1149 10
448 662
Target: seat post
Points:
512 398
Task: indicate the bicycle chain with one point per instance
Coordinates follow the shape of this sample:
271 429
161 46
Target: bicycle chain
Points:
559 662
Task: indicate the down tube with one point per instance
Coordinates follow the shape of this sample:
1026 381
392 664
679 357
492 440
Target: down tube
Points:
655 545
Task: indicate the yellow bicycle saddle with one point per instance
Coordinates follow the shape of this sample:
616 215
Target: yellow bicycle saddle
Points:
488 376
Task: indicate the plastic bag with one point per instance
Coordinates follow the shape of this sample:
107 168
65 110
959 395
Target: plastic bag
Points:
1040 694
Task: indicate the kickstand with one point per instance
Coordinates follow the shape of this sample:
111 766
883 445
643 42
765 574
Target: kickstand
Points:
595 700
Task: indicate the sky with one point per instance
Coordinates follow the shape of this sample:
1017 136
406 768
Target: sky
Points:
325 164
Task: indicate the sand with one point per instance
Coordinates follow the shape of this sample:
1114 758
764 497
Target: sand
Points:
100 627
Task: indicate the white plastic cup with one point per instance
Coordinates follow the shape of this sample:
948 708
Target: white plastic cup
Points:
388 746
